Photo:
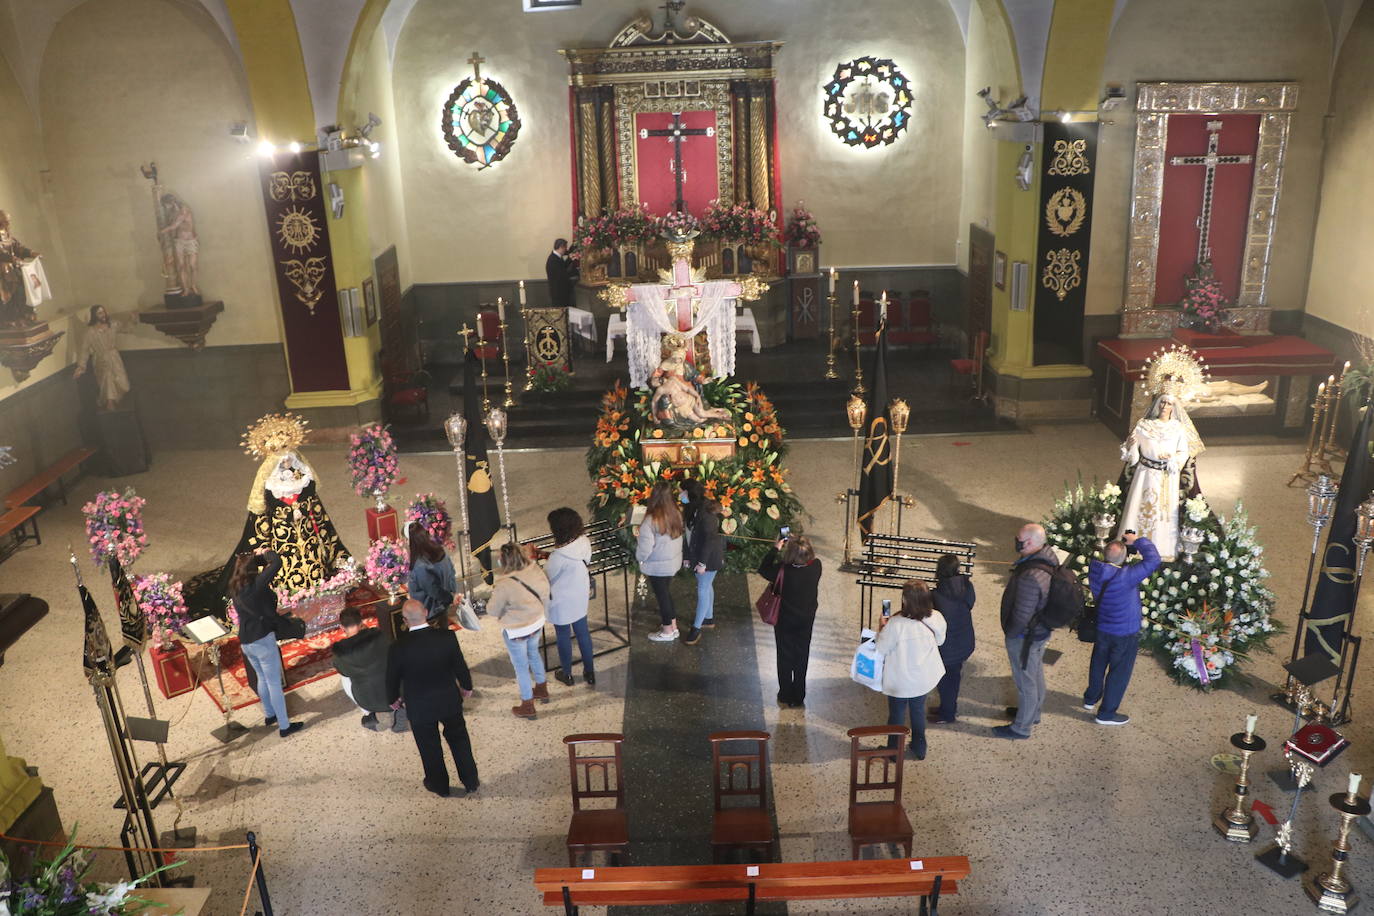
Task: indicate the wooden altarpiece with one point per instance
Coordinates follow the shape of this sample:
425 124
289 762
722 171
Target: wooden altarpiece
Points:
686 66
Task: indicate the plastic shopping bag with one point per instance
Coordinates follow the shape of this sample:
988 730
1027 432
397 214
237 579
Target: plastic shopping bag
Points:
867 667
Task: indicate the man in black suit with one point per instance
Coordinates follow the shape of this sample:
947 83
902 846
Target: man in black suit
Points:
425 670
560 271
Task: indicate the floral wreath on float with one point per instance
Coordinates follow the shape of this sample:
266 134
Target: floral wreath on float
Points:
751 486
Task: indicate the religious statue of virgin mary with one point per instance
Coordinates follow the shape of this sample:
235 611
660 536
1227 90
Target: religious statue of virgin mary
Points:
1160 454
285 513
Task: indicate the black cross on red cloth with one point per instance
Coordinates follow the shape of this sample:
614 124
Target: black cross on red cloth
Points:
677 132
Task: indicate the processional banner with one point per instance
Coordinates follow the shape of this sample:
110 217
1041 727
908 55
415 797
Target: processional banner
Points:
1069 164
546 337
304 267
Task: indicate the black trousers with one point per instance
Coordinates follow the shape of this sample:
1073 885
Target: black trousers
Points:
432 752
663 594
794 651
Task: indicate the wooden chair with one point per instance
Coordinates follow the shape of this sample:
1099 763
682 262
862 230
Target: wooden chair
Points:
868 322
404 390
920 324
972 367
883 820
597 776
740 775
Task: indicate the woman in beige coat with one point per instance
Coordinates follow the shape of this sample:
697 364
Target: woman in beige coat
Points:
518 600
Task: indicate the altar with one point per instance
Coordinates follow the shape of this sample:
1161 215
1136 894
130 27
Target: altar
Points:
1267 381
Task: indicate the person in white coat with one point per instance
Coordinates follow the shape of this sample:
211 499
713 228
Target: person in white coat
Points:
570 582
659 553
910 648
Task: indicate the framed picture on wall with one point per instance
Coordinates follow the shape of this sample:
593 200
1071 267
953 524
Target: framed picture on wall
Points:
370 301
999 269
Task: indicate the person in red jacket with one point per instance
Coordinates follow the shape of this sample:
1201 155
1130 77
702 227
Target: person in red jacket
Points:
1116 586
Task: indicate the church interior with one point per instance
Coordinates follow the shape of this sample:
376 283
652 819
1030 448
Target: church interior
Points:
924 288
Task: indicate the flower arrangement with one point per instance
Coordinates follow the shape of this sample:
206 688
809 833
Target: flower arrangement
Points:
57 888
342 579
549 377
1204 617
114 526
801 230
372 461
163 606
1204 303
622 227
429 512
751 487
388 564
737 223
677 225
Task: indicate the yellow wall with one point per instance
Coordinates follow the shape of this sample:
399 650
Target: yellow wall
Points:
381 177
898 205
128 81
1225 40
1341 288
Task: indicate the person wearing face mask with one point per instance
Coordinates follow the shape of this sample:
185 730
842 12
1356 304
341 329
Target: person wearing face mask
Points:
1025 596
1159 473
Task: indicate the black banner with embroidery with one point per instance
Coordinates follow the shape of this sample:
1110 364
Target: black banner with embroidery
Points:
875 480
1334 599
1067 168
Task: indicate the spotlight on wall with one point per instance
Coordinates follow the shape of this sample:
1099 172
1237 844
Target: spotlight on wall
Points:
239 131
1065 116
373 122
374 149
265 148
1113 99
1018 110
294 146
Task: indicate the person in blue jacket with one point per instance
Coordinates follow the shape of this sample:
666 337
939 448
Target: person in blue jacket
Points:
1116 586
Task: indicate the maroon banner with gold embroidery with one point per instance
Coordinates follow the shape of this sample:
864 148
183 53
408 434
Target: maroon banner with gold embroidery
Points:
304 267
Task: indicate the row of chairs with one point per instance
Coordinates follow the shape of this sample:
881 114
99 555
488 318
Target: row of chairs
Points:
910 320
739 767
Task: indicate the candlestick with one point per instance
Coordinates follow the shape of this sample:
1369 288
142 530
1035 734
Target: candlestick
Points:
1237 823
832 286
505 355
1354 788
858 354
522 292
1331 891
1250 722
501 309
834 339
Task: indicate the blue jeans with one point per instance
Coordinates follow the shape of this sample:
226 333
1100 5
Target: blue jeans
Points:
565 633
915 708
706 597
265 658
525 657
1110 671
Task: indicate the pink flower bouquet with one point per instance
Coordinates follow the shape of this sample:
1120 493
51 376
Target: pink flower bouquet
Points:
388 564
114 527
802 231
429 512
162 604
372 460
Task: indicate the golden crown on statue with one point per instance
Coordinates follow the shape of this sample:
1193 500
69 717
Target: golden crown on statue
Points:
273 434
1175 370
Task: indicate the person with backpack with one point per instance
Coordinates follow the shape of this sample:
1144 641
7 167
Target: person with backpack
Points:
1117 589
1027 632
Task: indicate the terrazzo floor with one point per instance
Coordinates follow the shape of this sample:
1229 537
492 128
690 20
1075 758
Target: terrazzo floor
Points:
1079 820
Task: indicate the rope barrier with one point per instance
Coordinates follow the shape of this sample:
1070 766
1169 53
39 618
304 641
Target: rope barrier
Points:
178 850
252 878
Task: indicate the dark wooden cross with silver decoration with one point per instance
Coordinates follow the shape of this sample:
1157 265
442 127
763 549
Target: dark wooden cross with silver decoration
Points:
1210 161
677 133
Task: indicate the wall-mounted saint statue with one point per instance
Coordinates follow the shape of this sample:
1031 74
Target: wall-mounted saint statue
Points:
176 234
17 265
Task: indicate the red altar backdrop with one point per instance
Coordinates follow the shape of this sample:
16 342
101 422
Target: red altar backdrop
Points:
655 161
1182 201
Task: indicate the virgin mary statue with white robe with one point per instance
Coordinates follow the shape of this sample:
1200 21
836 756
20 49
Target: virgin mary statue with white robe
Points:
1160 473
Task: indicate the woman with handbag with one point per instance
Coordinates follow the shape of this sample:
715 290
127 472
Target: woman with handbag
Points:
255 601
659 552
954 598
432 580
792 568
910 647
518 600
570 586
705 556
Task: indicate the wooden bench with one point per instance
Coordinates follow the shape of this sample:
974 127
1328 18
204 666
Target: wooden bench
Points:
926 879
52 475
17 522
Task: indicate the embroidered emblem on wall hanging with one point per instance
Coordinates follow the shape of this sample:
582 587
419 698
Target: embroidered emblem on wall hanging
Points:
292 186
1062 271
1070 158
1065 211
480 120
868 102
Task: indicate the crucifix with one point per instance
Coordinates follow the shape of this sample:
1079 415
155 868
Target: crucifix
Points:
684 289
1210 162
677 133
477 61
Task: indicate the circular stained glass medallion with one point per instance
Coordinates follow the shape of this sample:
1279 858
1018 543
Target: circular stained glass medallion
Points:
480 121
868 102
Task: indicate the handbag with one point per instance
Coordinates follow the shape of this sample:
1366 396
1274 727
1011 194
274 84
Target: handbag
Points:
769 604
288 626
467 616
867 666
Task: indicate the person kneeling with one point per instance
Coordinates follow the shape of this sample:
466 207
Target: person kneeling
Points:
360 658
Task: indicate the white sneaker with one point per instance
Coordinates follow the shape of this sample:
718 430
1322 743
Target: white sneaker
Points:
1089 707
663 636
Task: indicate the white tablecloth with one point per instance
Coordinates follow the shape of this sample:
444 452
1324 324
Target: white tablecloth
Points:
581 323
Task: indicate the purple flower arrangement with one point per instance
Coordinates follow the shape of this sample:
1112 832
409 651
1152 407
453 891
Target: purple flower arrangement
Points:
114 527
162 604
802 231
372 460
59 888
1204 303
341 581
431 514
388 564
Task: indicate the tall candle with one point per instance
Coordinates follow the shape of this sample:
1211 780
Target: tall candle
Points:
522 292
501 309
1250 722
883 298
1354 784
832 286
856 292
1345 368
